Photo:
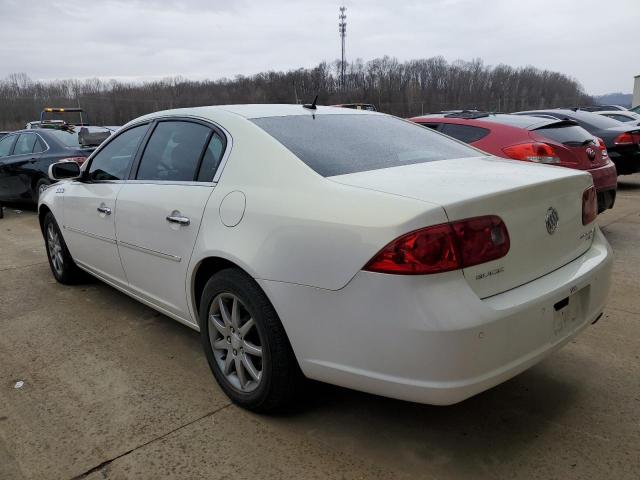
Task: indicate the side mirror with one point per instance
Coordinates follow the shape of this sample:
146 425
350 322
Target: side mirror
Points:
62 170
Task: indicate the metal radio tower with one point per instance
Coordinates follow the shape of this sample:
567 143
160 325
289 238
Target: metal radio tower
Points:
342 28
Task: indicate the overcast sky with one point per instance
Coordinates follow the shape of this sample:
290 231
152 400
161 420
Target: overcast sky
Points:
594 41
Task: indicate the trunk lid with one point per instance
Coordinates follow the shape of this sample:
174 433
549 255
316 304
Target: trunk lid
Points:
581 149
520 193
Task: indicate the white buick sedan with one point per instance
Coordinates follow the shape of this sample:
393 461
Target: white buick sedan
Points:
346 246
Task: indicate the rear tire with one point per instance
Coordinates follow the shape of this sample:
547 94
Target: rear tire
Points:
238 327
62 265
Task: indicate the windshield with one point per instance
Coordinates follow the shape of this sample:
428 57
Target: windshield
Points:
340 144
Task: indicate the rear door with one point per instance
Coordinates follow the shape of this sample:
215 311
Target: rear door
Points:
6 147
90 206
18 168
160 210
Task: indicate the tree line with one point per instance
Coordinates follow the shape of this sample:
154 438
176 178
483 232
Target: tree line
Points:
400 88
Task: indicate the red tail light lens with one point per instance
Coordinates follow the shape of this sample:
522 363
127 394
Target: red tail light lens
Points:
481 239
78 160
589 205
444 247
603 147
532 152
624 139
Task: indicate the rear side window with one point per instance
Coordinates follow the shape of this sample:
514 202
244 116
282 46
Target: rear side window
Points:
114 160
39 146
464 133
341 144
5 145
25 144
620 118
566 134
211 159
173 152
432 126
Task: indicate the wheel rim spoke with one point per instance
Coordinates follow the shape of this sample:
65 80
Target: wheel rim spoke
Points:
244 329
235 314
251 349
224 313
240 371
248 365
219 326
228 363
220 343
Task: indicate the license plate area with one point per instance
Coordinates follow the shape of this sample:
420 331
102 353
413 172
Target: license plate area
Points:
567 313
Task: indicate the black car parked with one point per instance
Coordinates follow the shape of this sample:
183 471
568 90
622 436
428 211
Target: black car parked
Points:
621 139
25 157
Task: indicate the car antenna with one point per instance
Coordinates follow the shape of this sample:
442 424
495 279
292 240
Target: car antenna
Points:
311 106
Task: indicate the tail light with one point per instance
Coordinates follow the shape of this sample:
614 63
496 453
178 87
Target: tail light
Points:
589 205
78 160
445 247
603 147
624 139
532 152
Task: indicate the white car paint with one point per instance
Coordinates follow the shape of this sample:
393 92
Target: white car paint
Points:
305 239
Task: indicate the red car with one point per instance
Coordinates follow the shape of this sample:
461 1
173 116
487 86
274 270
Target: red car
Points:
534 139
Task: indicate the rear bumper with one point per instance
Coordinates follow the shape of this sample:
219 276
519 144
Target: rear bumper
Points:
627 160
430 339
605 177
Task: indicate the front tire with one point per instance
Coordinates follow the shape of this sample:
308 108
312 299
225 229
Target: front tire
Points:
246 346
41 186
62 265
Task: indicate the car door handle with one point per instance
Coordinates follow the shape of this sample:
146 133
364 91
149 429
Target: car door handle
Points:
179 219
105 210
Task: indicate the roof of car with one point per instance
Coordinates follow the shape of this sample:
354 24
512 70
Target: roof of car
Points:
260 111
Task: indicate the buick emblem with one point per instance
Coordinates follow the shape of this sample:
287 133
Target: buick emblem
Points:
591 153
551 220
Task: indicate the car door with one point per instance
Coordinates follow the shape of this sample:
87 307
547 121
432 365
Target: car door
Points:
160 210
6 147
26 154
90 206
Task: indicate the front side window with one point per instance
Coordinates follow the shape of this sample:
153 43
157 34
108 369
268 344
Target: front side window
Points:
114 160
349 143
173 152
25 144
5 145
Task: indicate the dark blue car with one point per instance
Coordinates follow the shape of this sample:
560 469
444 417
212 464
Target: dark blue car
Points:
25 157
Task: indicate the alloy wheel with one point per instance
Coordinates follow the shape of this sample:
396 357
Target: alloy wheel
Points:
55 249
236 342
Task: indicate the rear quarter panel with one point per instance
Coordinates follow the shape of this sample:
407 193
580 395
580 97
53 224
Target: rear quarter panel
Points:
299 227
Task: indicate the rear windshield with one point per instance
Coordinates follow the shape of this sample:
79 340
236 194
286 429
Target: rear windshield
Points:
69 139
594 120
340 144
567 134
519 121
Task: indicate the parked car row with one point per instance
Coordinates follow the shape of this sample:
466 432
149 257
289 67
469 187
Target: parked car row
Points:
25 155
342 245
534 139
622 140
